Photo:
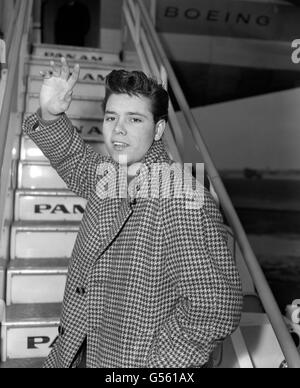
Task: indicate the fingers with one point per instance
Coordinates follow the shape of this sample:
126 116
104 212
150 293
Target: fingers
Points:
69 95
65 70
74 77
46 74
55 70
68 98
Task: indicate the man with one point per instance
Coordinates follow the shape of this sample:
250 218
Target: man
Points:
151 281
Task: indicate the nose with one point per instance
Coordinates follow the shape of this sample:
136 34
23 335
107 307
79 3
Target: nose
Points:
120 128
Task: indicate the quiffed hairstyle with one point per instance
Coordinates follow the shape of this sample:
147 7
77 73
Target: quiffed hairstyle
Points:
136 83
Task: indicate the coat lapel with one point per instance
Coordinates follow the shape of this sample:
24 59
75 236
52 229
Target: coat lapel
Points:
119 211
115 212
156 154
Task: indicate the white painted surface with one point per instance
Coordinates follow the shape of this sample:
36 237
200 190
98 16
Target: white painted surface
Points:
86 73
89 129
258 132
30 152
17 342
83 108
82 89
263 346
39 176
82 54
41 244
16 147
30 289
241 350
48 207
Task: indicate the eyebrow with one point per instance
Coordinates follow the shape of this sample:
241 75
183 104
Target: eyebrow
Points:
128 113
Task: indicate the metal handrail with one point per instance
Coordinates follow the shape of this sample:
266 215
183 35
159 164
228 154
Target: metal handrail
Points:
263 289
21 18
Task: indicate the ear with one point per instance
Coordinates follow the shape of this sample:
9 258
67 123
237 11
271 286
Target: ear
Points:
160 129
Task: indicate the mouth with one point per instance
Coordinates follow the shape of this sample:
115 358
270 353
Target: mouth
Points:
119 146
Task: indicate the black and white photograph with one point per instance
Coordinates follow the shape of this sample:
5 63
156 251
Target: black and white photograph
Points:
149 181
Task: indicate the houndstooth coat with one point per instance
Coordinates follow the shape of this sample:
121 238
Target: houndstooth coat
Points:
151 283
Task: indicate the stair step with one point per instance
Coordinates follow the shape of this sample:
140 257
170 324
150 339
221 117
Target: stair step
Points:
23 364
80 106
89 71
90 129
29 331
86 89
75 53
48 205
40 240
30 152
36 281
3 264
38 175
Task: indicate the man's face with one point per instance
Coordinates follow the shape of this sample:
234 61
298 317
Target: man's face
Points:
129 129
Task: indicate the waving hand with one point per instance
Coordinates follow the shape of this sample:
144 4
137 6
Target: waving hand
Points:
57 89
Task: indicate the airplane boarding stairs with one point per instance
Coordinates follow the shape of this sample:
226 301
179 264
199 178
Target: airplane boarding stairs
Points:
33 269
46 215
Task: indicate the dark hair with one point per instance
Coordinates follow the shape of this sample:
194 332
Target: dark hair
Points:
136 83
1 34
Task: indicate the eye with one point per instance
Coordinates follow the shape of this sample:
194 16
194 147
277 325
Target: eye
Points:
135 120
109 118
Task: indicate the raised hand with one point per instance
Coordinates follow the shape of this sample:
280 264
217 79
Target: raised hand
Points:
57 89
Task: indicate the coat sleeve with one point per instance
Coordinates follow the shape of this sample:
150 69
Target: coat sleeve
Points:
75 161
208 288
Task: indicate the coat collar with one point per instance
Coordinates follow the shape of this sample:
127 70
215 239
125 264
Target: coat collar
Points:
156 154
120 210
